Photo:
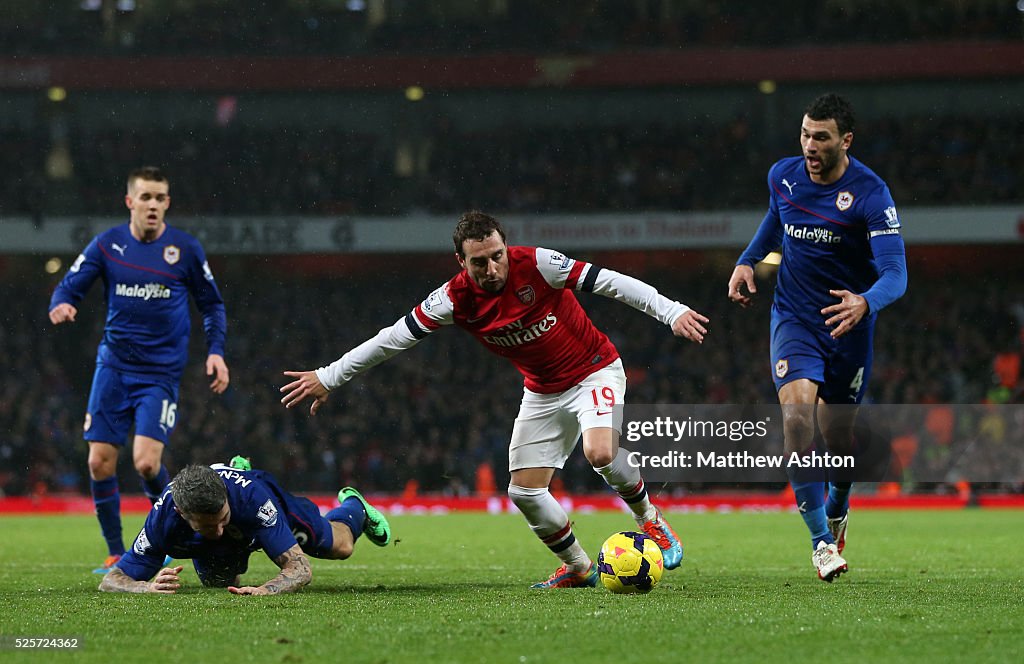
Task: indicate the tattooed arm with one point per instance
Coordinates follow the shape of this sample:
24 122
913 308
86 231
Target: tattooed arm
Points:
295 573
166 582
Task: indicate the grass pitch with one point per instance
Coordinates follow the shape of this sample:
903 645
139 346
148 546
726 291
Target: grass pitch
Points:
923 586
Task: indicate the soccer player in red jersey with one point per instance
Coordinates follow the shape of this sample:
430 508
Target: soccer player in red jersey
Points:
518 303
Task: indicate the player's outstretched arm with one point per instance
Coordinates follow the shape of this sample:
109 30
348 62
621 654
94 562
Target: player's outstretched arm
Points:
690 325
305 385
743 275
166 582
63 313
295 573
218 368
316 384
643 297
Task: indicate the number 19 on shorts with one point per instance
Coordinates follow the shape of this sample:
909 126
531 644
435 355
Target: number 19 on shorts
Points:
606 400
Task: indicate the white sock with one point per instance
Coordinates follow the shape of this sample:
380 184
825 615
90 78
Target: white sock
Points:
551 524
626 480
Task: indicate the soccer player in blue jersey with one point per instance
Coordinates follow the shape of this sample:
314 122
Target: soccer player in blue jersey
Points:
148 269
218 515
843 260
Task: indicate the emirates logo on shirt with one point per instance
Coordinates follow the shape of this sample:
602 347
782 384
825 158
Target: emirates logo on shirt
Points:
526 295
518 334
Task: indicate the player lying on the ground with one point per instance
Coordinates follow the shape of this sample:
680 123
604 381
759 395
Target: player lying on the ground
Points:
218 515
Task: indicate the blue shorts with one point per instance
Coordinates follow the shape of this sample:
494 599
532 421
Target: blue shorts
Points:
841 367
311 530
119 400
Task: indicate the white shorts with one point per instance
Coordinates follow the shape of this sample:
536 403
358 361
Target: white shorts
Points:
548 425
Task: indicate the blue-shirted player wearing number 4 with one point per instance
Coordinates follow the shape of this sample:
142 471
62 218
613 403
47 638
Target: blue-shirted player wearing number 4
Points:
148 269
843 260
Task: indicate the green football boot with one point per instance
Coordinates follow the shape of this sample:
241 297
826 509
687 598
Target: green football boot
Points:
377 529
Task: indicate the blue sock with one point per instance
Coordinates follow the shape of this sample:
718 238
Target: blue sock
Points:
351 513
810 498
107 497
838 499
154 487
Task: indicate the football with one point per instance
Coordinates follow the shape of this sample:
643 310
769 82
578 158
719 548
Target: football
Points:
630 563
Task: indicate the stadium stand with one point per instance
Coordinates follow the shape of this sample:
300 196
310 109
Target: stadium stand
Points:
219 27
961 160
400 426
952 339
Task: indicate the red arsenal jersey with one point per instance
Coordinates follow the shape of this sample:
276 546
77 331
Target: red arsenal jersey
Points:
535 321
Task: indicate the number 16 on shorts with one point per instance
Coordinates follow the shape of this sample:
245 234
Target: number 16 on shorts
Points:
158 417
168 413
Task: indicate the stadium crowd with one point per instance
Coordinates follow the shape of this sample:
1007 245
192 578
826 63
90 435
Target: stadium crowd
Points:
366 27
437 418
247 170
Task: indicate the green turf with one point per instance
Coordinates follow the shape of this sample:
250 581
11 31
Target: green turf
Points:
923 586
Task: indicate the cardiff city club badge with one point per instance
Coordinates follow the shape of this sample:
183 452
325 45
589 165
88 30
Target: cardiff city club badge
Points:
526 295
844 200
172 254
782 368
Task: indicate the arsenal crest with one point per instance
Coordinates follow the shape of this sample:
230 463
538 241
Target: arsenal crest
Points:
172 254
782 368
526 295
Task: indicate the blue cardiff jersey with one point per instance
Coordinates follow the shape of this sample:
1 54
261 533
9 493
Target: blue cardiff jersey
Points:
147 286
831 236
258 521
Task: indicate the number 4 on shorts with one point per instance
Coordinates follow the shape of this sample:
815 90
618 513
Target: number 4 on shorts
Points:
858 381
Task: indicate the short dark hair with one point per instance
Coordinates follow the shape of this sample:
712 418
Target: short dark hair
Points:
198 490
148 173
475 225
831 106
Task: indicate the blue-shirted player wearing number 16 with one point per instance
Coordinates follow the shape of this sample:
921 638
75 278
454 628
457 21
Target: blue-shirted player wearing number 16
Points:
148 269
843 260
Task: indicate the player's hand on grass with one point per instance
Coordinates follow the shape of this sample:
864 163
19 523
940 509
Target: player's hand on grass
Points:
63 313
690 325
742 275
216 367
306 384
248 590
166 581
845 315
